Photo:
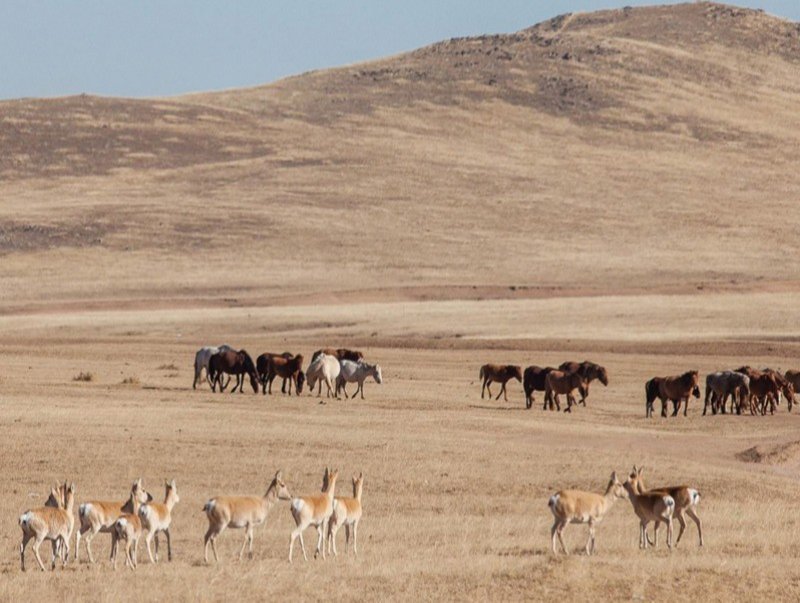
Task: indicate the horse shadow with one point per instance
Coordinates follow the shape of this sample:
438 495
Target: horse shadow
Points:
497 408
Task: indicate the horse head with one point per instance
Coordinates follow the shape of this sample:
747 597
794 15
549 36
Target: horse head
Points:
301 379
516 372
376 373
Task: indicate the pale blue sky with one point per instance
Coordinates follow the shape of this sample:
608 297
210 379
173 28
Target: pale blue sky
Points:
164 47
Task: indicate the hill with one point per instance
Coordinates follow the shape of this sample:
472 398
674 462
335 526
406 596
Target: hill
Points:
632 150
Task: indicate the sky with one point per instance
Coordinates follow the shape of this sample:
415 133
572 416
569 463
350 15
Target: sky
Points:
166 47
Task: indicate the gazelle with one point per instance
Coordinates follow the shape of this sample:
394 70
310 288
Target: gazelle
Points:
127 527
241 512
99 516
49 523
651 506
313 510
577 506
156 517
347 513
686 500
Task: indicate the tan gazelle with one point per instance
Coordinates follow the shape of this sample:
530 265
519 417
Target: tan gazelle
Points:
314 510
54 523
578 506
157 517
99 516
127 527
347 513
651 506
241 512
686 501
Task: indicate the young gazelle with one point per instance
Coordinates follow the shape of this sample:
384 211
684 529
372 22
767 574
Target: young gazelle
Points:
347 513
49 523
127 527
651 506
577 506
99 516
313 510
241 512
156 517
686 500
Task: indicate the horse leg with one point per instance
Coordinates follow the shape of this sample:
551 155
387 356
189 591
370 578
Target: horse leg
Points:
483 387
558 403
686 405
502 389
570 402
283 387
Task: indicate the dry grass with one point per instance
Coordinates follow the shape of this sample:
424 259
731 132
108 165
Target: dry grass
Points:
84 376
131 381
478 200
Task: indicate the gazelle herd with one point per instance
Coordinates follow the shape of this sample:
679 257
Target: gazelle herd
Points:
127 521
659 506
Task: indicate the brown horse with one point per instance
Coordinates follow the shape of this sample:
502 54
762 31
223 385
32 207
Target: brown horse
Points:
792 378
589 371
677 389
287 368
233 363
533 381
500 373
561 382
765 389
262 368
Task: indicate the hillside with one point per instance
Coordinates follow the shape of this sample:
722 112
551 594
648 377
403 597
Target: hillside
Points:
633 150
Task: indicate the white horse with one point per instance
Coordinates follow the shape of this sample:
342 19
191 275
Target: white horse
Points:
201 360
353 372
325 368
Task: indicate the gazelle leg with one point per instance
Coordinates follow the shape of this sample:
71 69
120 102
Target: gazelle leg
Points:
148 540
553 531
669 533
248 531
682 523
355 538
691 513
169 544
36 544
25 540
562 526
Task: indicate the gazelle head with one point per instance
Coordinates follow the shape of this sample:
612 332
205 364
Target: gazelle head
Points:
139 493
618 489
636 479
171 489
57 497
281 491
325 479
69 495
332 475
358 485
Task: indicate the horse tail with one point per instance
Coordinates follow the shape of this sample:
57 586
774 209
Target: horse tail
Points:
482 373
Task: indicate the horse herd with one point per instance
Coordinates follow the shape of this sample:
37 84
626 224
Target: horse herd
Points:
138 517
333 367
756 391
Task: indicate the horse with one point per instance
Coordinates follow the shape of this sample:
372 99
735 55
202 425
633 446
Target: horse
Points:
325 368
533 381
500 373
722 384
201 359
286 368
651 391
232 363
589 371
357 372
766 388
793 378
560 382
338 353
677 389
262 368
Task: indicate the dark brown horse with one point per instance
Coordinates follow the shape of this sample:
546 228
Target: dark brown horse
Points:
501 373
262 368
233 363
533 381
676 389
589 371
561 382
290 369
